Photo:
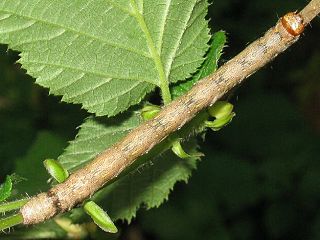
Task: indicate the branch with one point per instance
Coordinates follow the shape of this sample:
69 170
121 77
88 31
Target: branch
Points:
110 163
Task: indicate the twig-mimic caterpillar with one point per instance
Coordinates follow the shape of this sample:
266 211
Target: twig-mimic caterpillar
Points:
108 165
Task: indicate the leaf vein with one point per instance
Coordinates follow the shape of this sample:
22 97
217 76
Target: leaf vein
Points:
191 41
90 72
115 97
176 47
163 25
117 6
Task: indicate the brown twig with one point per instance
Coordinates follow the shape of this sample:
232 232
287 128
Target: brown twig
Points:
110 163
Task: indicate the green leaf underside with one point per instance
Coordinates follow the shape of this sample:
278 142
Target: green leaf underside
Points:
149 185
106 54
5 189
209 66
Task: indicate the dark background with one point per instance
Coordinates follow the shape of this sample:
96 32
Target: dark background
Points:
260 178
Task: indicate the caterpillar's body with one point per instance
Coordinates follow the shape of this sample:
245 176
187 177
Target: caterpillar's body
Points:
108 165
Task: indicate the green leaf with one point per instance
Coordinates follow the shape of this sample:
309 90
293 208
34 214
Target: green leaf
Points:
106 54
150 184
209 66
47 230
16 178
10 221
5 189
46 145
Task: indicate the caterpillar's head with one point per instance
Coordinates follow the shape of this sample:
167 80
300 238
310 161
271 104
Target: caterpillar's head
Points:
293 23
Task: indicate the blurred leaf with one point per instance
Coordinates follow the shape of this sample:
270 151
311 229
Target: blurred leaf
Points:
309 187
269 124
243 229
132 47
315 233
193 207
46 145
5 189
47 230
281 219
17 178
202 221
233 181
16 114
